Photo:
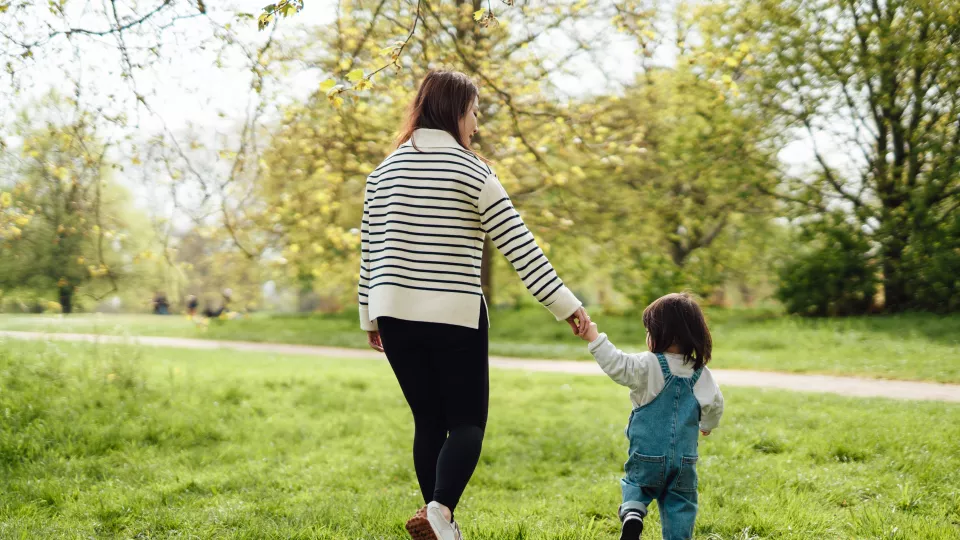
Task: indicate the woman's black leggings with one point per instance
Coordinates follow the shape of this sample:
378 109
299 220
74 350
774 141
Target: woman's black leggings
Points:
444 375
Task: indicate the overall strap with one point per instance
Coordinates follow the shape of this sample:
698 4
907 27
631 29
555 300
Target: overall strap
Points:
663 365
696 376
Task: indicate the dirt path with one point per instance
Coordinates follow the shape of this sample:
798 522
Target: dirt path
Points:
845 386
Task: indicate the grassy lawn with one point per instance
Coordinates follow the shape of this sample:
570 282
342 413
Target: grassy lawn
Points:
912 346
116 442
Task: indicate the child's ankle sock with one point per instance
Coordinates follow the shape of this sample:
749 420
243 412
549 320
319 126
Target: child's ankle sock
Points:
632 526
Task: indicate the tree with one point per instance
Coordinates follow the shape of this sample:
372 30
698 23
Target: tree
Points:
660 175
879 84
312 175
70 230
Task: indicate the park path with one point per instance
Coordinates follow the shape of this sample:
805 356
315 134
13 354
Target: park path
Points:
844 386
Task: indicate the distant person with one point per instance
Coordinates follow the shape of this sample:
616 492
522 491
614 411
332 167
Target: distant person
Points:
674 395
226 295
160 304
192 304
420 295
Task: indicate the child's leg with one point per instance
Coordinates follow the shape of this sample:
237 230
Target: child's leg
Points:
678 512
635 498
633 509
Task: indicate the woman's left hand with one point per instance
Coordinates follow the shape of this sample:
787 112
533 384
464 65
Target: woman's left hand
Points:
373 339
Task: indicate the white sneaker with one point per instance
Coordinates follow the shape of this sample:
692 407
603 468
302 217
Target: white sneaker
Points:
429 524
456 528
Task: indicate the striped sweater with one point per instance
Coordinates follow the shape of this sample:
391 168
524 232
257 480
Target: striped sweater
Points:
426 210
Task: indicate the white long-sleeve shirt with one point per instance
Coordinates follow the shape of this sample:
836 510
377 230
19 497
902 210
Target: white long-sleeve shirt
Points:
641 373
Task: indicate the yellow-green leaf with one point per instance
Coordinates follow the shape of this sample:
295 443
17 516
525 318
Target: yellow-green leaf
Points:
355 75
478 14
327 85
264 20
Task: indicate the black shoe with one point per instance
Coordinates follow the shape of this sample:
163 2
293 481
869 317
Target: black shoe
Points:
632 526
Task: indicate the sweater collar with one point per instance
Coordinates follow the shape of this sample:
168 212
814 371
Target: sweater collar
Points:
432 138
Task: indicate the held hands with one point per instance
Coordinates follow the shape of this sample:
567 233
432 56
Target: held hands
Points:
582 326
579 321
592 333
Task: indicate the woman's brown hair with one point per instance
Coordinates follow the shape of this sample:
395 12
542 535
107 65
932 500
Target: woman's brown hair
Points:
676 319
443 99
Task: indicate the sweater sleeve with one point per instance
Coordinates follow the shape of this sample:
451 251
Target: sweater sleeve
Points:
630 370
708 394
363 288
506 228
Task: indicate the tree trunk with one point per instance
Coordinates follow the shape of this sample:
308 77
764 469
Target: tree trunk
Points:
486 269
895 297
678 253
66 299
746 294
894 281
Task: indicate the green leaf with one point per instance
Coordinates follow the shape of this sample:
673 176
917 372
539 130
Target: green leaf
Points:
355 75
478 14
264 21
327 85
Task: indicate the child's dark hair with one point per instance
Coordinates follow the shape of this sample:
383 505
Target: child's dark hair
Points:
676 319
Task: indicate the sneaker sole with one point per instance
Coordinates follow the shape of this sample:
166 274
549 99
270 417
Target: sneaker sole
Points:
419 527
632 529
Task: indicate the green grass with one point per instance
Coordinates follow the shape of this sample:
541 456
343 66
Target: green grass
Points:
910 346
119 442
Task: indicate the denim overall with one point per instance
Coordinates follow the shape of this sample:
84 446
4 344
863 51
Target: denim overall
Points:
663 455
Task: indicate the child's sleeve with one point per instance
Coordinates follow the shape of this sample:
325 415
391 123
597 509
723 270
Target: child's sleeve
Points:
711 401
630 370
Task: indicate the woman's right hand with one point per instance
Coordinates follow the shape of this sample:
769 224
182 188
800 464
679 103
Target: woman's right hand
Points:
373 339
579 321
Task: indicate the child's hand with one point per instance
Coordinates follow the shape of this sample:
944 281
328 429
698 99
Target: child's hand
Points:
705 433
591 334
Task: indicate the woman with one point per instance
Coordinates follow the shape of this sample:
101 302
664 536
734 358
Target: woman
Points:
426 210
